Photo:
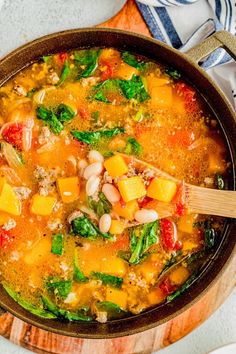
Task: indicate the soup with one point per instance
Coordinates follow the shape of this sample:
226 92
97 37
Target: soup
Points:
86 231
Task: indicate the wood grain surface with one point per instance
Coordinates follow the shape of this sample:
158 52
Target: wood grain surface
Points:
40 341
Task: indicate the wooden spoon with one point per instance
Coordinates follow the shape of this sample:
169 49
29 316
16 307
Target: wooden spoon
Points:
199 200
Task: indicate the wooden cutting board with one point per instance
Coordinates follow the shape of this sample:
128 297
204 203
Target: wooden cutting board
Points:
40 341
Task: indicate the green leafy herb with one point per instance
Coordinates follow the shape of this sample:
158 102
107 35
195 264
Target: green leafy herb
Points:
57 312
89 59
113 310
58 287
125 255
102 206
149 235
46 58
108 279
173 73
78 274
50 119
89 137
108 153
133 147
134 88
219 181
64 73
210 234
184 287
26 305
99 96
84 227
95 116
65 113
57 244
55 120
131 60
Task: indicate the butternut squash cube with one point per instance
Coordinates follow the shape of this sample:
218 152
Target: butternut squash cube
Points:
42 205
126 71
161 96
179 275
9 202
127 211
117 227
155 297
185 223
118 297
2 183
162 189
116 166
69 189
131 188
113 265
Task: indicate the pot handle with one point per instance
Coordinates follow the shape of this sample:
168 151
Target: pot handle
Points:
221 39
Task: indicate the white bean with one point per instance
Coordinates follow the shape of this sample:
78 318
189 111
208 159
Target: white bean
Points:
95 156
145 215
95 169
111 193
105 223
92 185
82 164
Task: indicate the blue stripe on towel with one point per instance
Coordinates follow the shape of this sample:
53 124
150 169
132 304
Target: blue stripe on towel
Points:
169 27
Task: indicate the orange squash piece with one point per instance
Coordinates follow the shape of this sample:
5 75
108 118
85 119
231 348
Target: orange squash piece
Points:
69 189
131 188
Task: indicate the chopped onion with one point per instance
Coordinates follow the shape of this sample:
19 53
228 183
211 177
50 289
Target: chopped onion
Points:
39 96
11 175
11 155
27 134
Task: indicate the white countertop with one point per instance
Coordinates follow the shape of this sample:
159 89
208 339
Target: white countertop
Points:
23 20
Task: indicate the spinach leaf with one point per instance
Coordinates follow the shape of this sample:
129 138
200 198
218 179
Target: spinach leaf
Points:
93 137
133 147
64 73
65 113
108 279
57 244
219 181
26 305
125 255
84 227
46 58
113 310
133 240
31 92
50 119
131 60
149 235
78 274
134 88
89 59
99 96
210 235
108 153
170 262
184 287
58 287
57 312
95 116
173 73
102 206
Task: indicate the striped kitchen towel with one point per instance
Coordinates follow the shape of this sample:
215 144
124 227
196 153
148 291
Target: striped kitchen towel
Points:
184 23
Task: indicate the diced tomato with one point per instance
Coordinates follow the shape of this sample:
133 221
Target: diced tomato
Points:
166 287
185 91
122 202
13 134
109 70
181 137
5 238
84 112
62 58
180 209
145 202
168 237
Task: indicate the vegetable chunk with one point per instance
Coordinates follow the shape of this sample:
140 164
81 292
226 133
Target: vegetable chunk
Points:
42 205
116 166
131 188
117 296
69 189
162 190
9 202
117 227
126 211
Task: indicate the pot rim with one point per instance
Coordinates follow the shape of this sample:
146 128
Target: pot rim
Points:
35 320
